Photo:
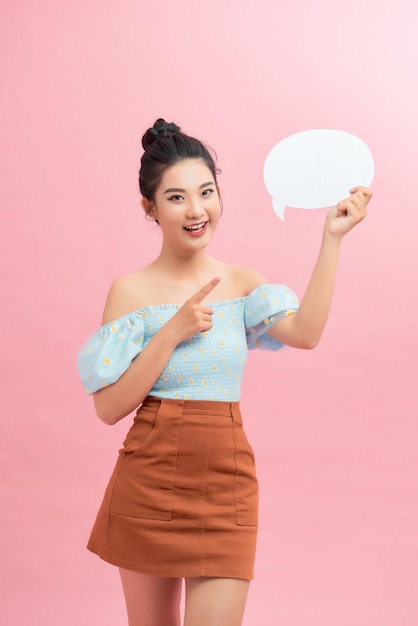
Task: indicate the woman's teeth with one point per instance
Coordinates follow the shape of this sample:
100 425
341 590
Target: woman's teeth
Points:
196 227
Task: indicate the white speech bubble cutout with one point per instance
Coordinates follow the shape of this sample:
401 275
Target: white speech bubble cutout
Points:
316 168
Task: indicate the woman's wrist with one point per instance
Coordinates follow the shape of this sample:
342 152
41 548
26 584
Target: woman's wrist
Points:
331 241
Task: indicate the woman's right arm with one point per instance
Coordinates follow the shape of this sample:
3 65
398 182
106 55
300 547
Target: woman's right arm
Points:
122 397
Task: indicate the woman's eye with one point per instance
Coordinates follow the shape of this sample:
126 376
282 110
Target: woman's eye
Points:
176 198
207 192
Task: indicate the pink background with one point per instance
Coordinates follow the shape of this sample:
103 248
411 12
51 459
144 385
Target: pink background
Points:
335 429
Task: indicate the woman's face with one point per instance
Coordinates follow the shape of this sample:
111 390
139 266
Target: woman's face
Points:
186 204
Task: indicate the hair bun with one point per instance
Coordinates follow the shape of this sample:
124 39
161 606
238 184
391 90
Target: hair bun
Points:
161 128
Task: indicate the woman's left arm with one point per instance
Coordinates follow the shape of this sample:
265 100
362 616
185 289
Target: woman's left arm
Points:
304 328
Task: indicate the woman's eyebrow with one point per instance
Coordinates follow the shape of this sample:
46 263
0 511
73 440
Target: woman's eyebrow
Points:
179 190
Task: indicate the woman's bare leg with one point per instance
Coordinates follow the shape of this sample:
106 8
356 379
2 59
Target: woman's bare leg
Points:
151 600
215 601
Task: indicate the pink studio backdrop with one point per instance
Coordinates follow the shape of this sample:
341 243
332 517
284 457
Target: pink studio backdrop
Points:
334 429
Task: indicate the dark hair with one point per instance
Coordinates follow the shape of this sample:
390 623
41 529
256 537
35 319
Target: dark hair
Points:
164 145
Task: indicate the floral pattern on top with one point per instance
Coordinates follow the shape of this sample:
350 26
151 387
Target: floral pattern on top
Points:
208 366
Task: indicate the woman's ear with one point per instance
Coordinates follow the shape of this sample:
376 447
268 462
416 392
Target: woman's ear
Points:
149 209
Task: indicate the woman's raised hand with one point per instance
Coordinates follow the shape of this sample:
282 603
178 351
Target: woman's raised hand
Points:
349 212
193 317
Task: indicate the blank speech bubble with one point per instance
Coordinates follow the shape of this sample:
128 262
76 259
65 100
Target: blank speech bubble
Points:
316 168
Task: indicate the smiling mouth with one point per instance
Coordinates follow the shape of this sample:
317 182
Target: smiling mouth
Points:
195 228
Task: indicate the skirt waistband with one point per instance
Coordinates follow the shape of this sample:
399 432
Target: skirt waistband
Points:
191 407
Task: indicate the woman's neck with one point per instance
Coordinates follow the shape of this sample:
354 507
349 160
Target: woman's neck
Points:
184 265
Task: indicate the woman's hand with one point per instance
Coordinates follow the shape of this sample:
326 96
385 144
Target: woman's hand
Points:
347 213
193 317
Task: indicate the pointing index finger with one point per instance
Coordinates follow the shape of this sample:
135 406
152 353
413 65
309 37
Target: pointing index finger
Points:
204 291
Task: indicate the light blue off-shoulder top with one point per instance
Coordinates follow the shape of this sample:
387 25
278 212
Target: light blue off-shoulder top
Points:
209 365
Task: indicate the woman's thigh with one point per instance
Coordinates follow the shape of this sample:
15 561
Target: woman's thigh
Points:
151 600
215 601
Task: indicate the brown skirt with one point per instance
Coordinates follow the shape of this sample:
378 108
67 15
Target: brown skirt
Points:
183 498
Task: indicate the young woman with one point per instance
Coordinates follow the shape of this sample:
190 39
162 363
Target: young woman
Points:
182 500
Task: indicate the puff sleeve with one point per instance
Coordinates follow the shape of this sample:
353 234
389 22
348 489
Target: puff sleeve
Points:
108 353
265 306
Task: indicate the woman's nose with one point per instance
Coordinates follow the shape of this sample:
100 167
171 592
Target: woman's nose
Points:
194 209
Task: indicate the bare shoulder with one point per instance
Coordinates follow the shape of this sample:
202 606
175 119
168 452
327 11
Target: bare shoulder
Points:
245 278
126 294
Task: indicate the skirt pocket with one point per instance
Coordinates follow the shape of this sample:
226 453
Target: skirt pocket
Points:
144 484
245 481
